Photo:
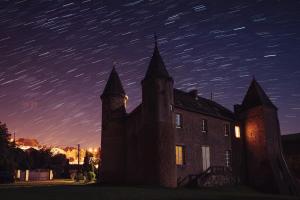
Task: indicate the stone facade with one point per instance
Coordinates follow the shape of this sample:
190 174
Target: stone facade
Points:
175 134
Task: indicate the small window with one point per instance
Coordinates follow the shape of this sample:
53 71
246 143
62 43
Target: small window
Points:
227 158
237 131
204 125
178 120
180 155
226 129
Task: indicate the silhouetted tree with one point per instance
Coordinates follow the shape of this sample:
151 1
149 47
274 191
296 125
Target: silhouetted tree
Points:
88 166
5 162
21 159
59 164
88 162
39 159
6 159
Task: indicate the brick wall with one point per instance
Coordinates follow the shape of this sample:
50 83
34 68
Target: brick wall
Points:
192 138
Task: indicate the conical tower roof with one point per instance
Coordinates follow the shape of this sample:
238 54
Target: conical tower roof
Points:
156 68
256 96
113 85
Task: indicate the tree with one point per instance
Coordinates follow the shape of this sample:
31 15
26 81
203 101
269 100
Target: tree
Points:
88 162
39 159
6 162
20 158
88 166
60 165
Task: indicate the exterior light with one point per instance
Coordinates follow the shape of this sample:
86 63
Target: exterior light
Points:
237 131
125 101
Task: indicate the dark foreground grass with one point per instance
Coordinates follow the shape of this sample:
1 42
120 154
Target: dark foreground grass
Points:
96 192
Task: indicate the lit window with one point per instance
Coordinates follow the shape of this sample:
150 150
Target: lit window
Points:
204 125
237 131
179 155
227 158
226 129
178 121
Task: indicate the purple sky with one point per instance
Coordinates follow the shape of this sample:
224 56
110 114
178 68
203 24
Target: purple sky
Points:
55 58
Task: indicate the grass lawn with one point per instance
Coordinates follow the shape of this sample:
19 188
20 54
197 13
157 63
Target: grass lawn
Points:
68 190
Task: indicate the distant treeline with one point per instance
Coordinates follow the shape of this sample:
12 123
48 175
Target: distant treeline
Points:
12 158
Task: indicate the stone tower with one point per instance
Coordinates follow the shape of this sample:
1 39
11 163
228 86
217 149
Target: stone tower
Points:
113 130
265 167
158 135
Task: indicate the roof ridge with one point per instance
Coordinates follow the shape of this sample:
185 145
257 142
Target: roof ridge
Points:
202 105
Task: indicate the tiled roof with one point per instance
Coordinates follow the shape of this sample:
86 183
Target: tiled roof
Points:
191 102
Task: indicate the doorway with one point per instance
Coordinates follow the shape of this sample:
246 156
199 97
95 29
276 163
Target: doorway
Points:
205 157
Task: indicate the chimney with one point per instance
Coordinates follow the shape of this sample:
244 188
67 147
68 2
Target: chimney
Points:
194 93
237 108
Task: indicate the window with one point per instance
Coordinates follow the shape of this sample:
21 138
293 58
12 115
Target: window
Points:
226 129
237 131
227 158
179 155
204 125
205 157
178 120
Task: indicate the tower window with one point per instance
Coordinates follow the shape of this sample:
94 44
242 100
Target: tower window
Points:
204 125
178 120
227 158
237 131
171 107
226 129
180 155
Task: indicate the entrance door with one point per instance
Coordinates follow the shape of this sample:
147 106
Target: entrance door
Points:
205 157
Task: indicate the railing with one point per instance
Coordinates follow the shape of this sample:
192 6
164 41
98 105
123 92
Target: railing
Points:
193 180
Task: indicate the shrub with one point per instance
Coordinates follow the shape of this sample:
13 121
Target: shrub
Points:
91 176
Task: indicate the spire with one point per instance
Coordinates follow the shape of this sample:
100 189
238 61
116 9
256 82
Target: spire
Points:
155 40
156 67
113 85
256 96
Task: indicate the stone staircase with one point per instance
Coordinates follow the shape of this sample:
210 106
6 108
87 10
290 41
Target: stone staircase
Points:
214 176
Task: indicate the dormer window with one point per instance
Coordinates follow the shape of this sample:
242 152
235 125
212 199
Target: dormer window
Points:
178 120
204 126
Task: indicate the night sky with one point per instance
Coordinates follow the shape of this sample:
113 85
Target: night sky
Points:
55 58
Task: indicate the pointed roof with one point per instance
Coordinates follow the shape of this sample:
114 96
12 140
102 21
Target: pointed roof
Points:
113 85
156 68
256 96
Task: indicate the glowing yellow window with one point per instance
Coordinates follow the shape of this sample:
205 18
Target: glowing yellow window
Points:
237 132
179 155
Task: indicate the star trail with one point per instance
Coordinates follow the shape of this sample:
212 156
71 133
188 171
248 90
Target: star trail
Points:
56 55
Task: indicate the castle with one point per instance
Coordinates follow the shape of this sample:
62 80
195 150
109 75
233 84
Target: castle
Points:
175 134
